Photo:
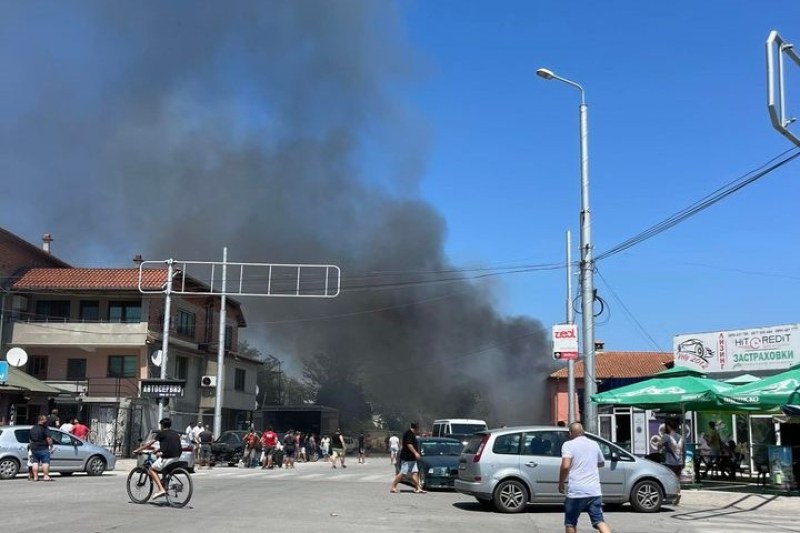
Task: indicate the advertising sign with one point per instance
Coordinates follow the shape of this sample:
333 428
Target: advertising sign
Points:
3 372
565 341
770 348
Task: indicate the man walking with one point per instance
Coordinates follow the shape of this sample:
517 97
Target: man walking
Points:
338 448
362 448
409 455
581 459
269 439
204 439
672 444
394 448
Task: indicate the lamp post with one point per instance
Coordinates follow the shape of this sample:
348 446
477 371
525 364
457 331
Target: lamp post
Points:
586 266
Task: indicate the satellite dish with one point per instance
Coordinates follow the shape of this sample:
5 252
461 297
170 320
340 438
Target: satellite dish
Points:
156 357
17 357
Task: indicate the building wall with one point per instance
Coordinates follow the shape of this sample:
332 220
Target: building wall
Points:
16 254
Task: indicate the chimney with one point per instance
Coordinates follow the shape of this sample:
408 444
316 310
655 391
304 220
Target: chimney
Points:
46 240
137 260
599 346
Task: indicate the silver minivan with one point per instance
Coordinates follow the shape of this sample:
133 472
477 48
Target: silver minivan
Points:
505 469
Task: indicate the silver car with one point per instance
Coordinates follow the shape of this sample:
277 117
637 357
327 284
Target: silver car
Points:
505 469
70 454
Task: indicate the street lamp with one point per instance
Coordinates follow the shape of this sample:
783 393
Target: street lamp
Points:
586 267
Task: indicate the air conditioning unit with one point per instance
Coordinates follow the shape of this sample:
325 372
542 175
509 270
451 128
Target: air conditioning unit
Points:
208 381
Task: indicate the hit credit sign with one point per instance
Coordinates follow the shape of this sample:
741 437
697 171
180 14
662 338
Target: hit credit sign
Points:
743 350
565 341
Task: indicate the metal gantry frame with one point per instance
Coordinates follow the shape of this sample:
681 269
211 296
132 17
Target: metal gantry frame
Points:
330 288
776 83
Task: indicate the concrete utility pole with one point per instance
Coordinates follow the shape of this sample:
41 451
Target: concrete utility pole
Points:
221 348
570 320
587 265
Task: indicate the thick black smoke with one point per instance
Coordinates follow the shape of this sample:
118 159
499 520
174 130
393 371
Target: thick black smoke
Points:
278 129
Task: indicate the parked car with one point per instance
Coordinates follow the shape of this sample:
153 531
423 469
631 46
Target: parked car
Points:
70 454
350 445
228 448
505 469
438 462
187 450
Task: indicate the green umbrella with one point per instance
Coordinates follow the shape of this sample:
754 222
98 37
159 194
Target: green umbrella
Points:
671 390
765 394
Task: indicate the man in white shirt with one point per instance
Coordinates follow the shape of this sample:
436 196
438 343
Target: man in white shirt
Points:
581 460
394 447
195 439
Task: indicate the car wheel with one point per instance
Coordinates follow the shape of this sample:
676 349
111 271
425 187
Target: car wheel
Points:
486 505
646 497
95 466
510 496
8 468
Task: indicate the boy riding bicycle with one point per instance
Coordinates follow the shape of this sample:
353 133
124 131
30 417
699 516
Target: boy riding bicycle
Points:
169 451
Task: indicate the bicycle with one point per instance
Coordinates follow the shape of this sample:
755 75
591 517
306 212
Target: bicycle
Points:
175 478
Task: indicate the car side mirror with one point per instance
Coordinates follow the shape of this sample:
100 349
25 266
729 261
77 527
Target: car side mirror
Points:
614 457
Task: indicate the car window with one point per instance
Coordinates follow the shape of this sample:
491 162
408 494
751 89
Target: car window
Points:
543 443
606 449
507 444
62 438
466 429
474 443
23 435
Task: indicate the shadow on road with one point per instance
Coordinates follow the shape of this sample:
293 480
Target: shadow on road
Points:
746 504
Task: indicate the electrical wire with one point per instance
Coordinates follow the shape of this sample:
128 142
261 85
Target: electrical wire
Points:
634 321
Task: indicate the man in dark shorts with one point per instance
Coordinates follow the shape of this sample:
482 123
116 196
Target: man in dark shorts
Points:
269 440
41 446
205 437
409 455
362 448
288 449
169 451
338 448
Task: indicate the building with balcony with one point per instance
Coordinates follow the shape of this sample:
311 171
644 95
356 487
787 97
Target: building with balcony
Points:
91 333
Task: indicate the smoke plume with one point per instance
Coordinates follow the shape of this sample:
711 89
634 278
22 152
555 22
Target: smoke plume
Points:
278 129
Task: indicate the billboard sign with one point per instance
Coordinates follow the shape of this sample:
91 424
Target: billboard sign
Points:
3 372
770 348
565 342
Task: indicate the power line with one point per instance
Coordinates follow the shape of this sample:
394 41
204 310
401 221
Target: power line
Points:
704 203
638 325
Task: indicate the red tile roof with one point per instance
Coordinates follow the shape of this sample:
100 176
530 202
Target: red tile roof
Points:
621 365
89 279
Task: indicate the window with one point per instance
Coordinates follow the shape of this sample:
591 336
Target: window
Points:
37 366
544 443
124 312
90 311
607 449
238 379
76 369
507 444
52 309
228 337
185 323
181 367
123 366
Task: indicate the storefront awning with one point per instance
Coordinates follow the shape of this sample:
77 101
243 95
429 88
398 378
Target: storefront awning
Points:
20 382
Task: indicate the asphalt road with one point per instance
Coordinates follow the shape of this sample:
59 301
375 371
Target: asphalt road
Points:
314 497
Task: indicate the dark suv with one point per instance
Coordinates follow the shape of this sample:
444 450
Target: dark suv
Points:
228 448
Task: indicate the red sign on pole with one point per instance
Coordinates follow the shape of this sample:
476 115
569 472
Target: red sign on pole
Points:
565 342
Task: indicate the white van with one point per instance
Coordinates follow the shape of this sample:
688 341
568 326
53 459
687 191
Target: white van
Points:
458 428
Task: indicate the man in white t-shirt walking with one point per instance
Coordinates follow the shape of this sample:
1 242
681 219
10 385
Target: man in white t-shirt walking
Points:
581 459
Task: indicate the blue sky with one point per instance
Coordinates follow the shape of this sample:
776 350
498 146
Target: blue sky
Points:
677 108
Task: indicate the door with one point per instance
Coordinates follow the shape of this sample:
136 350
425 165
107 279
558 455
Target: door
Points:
540 462
613 473
607 427
67 455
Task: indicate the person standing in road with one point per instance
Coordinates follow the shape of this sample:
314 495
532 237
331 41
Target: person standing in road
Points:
409 455
325 447
394 448
338 448
195 439
269 439
672 444
288 450
204 439
249 451
581 460
362 448
41 445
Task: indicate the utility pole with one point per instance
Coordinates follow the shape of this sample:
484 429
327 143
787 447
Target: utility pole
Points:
165 333
570 320
219 393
